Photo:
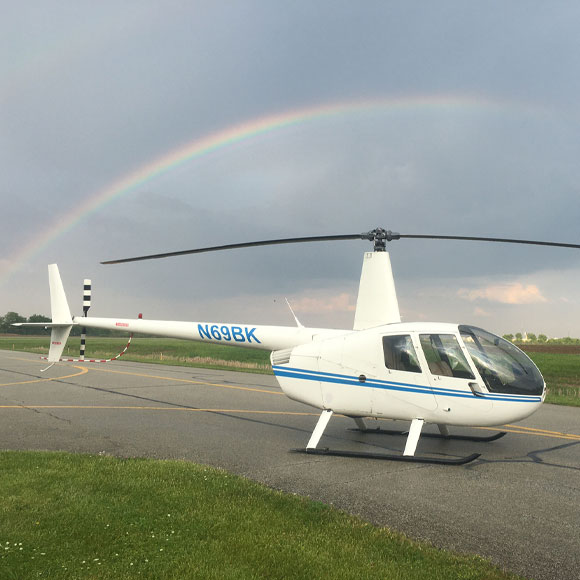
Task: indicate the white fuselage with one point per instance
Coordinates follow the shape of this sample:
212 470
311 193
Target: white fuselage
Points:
346 371
348 374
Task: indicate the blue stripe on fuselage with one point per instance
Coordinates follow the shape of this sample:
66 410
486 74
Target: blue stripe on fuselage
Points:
349 380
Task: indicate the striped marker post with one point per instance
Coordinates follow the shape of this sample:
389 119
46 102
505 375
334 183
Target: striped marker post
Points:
86 306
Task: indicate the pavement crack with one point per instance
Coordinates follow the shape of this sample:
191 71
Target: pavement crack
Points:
46 413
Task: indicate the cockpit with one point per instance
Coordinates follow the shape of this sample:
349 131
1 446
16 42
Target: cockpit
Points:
503 367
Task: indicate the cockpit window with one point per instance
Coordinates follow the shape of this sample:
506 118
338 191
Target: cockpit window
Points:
445 357
400 354
503 367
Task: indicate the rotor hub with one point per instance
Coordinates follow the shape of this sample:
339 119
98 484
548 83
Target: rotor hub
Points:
380 237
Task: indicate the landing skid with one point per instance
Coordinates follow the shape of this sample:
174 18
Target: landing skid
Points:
391 457
408 454
480 438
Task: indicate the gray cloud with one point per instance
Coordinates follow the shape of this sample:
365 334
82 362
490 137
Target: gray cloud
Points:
92 92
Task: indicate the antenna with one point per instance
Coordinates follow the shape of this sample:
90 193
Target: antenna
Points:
298 323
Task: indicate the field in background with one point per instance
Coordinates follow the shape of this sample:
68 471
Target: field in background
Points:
560 367
158 350
559 364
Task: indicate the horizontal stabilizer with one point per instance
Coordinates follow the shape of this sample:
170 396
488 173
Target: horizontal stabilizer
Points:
42 324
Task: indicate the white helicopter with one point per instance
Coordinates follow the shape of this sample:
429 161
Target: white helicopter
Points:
446 374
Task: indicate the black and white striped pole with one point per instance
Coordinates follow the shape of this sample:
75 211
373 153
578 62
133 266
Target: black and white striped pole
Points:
86 306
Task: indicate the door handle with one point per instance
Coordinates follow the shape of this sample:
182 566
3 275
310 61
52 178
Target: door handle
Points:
475 389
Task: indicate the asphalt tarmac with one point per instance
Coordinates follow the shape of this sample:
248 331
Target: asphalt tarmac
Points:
518 504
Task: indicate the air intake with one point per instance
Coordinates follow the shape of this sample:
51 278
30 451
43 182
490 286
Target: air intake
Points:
281 357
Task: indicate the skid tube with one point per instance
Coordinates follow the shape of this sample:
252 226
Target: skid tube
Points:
408 454
477 438
390 457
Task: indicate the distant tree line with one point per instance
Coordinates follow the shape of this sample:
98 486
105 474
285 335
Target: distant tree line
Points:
530 338
10 318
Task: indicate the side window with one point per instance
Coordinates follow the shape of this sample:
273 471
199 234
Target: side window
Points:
444 356
400 354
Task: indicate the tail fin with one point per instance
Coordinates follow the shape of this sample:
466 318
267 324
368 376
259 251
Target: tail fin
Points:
62 321
58 303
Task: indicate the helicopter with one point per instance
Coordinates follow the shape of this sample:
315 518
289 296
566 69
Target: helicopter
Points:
422 372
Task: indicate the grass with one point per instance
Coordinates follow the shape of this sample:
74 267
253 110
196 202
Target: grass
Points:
158 350
562 375
76 516
560 370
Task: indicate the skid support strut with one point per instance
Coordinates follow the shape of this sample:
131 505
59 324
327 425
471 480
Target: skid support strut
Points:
319 429
413 437
408 454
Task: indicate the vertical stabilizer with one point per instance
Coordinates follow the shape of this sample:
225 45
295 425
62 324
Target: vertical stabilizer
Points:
58 304
377 300
61 318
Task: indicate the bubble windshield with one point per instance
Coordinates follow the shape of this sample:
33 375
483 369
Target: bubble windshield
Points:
503 367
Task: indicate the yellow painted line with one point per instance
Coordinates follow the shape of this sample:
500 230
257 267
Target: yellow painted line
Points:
162 378
187 381
517 429
83 371
539 430
567 436
150 408
532 431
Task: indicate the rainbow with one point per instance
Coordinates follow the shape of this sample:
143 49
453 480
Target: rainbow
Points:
226 138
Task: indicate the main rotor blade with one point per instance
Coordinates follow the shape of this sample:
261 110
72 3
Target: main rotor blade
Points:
379 236
500 240
236 246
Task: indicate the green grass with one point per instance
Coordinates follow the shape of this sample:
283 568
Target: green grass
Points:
562 375
158 350
78 516
561 371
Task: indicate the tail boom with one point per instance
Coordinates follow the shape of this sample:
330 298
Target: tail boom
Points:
249 336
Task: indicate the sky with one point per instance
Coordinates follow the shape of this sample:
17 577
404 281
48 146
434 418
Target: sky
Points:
131 128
